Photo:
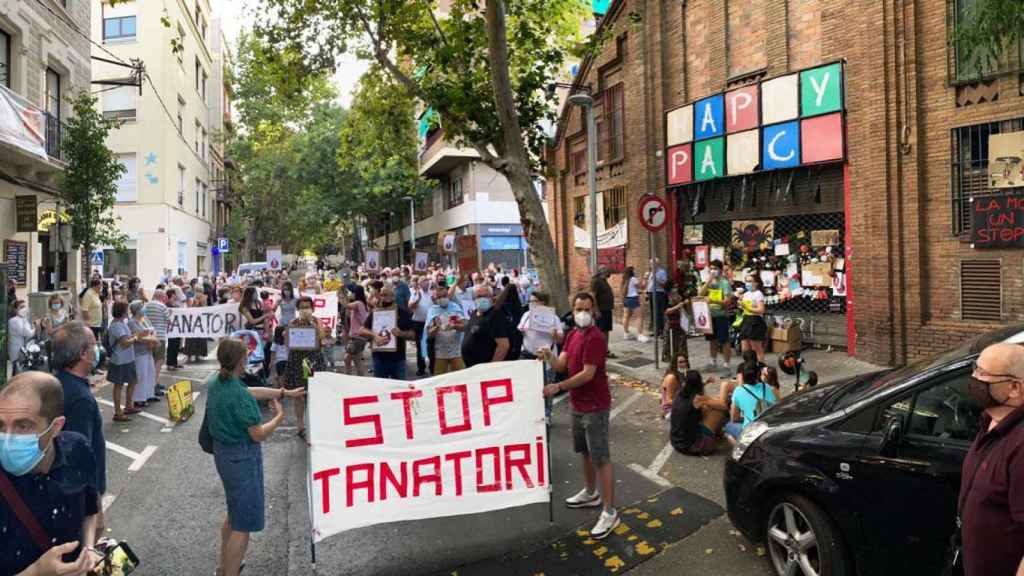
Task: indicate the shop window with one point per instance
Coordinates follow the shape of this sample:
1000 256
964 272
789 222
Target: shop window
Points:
969 155
610 135
455 195
5 59
614 206
579 212
981 290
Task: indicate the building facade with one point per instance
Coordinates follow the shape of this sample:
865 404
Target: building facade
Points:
165 200
831 148
44 58
220 126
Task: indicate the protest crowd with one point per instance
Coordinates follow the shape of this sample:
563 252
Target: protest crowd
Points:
289 324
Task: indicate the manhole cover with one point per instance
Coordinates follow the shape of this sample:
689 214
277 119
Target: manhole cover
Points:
636 362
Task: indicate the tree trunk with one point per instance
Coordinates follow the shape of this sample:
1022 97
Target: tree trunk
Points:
516 164
250 242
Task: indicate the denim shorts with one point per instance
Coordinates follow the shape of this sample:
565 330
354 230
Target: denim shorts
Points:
631 302
590 435
734 429
121 373
240 467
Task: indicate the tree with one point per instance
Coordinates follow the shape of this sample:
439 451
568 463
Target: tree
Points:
986 28
483 70
88 186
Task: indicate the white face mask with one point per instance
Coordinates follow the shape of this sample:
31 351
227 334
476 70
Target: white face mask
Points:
23 312
583 319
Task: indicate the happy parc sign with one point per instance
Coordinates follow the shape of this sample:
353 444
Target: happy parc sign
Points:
784 122
461 443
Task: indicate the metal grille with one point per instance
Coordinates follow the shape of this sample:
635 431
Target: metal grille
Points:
614 206
969 174
579 211
719 233
981 290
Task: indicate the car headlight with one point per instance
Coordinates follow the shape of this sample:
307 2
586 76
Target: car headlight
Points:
750 434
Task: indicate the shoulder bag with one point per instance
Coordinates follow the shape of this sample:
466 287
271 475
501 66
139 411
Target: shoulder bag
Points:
10 495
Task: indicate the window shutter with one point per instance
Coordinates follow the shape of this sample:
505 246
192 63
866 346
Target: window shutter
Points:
981 290
127 184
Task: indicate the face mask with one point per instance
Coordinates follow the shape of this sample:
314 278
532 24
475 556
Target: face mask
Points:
583 319
714 273
981 394
19 453
749 286
484 304
56 306
442 302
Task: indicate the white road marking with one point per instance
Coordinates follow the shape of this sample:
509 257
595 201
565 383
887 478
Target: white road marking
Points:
144 414
646 473
626 404
194 396
141 460
661 458
108 499
122 450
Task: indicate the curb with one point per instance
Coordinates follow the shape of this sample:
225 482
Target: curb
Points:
613 367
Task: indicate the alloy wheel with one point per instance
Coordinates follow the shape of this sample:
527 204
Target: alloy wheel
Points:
792 543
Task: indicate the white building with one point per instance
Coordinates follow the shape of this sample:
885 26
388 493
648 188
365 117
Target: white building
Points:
164 200
44 57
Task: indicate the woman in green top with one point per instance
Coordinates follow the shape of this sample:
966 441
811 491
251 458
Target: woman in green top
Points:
236 426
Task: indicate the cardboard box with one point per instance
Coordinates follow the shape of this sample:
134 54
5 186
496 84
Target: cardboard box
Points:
780 347
790 334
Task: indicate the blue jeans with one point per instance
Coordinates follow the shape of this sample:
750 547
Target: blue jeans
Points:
384 368
734 429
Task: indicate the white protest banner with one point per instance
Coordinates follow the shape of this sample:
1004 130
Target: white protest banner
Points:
460 443
325 309
204 322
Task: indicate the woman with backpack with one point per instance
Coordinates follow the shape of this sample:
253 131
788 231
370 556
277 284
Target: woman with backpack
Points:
750 399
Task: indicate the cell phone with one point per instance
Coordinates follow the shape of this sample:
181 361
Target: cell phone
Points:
118 560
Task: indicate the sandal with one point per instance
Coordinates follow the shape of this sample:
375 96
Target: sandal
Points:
132 410
121 418
301 433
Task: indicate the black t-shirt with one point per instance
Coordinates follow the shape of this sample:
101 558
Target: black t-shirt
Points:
685 421
404 322
482 332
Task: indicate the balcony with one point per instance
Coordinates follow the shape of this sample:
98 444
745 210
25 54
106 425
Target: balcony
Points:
31 140
439 157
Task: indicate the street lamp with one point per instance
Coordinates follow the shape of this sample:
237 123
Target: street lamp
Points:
586 102
412 226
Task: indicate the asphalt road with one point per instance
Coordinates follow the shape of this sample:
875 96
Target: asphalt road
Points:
166 500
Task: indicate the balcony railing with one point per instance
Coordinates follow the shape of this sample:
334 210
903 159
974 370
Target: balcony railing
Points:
55 137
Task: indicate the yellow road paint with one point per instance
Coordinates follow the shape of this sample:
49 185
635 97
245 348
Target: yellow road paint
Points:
643 548
621 529
652 500
582 533
676 511
589 542
643 516
654 523
632 538
614 564
599 552
632 511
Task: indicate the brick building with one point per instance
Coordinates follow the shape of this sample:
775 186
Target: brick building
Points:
865 143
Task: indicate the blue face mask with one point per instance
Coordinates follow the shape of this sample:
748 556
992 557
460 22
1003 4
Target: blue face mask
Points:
19 453
483 304
749 286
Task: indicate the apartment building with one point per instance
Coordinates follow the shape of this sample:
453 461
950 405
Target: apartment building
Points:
844 152
220 125
44 57
165 199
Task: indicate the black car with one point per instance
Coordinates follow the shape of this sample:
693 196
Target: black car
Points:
860 476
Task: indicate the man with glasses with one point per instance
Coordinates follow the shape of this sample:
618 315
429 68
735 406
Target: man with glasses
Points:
991 503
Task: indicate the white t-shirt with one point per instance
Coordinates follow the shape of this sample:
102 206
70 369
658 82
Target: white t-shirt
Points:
419 313
750 299
633 288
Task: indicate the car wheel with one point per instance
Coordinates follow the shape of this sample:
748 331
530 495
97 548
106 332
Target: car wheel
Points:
802 541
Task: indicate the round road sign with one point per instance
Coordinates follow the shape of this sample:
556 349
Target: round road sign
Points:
653 213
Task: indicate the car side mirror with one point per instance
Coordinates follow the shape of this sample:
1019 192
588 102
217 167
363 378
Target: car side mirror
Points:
893 436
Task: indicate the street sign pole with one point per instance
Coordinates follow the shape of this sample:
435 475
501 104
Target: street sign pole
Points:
654 301
653 215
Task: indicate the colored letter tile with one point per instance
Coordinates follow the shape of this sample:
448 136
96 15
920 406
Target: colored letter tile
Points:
781 146
743 152
779 99
820 90
709 158
821 138
709 117
680 126
679 164
741 109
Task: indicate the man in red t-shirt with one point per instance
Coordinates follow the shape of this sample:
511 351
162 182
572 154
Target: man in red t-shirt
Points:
583 357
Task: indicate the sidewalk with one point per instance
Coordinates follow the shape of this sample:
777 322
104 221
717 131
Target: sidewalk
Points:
635 360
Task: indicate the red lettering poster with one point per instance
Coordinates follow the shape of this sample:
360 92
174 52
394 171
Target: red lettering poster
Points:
700 257
389 450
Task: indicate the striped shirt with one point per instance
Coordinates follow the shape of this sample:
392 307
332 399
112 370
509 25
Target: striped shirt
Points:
157 315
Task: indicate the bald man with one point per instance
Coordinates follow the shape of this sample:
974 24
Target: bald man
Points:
52 473
991 504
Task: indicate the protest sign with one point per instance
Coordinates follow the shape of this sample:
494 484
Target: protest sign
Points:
325 309
543 319
373 260
301 338
205 322
274 258
461 443
383 322
422 261
179 401
702 316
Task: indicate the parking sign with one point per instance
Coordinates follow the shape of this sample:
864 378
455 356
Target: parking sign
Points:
223 246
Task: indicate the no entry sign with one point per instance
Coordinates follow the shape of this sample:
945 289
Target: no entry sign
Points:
653 213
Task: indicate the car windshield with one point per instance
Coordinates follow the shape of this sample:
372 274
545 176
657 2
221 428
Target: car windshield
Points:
860 388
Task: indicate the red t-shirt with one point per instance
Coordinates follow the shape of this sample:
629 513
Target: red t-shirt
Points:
588 347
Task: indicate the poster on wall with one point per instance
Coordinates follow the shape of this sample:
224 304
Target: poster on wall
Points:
997 221
1006 160
700 257
750 234
824 237
717 253
16 257
693 234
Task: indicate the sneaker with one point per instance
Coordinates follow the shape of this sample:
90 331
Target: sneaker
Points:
629 336
584 499
643 339
605 524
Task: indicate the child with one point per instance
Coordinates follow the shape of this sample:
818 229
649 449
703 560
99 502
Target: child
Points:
280 350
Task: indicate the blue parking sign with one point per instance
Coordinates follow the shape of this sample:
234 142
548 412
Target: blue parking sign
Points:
222 245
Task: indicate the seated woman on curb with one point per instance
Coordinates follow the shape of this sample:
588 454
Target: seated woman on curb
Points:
695 424
749 400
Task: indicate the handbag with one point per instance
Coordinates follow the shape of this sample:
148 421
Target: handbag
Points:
10 495
205 439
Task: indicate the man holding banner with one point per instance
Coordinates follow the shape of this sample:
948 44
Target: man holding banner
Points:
583 357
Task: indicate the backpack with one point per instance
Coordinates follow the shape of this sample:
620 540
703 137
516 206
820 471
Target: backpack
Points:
762 402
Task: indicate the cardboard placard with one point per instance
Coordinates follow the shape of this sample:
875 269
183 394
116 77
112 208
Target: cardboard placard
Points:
179 401
717 253
997 221
468 253
824 237
422 261
702 316
373 260
700 257
301 338
816 274
383 322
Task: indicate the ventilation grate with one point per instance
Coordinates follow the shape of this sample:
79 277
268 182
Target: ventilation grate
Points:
981 290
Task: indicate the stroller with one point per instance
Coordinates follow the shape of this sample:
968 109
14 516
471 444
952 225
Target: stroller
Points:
254 363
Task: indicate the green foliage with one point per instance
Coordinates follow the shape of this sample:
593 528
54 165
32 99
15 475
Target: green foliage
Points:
88 186
985 30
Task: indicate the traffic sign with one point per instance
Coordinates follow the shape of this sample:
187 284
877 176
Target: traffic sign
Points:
223 246
97 258
653 212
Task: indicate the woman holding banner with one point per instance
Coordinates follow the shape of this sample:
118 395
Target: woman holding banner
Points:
234 421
